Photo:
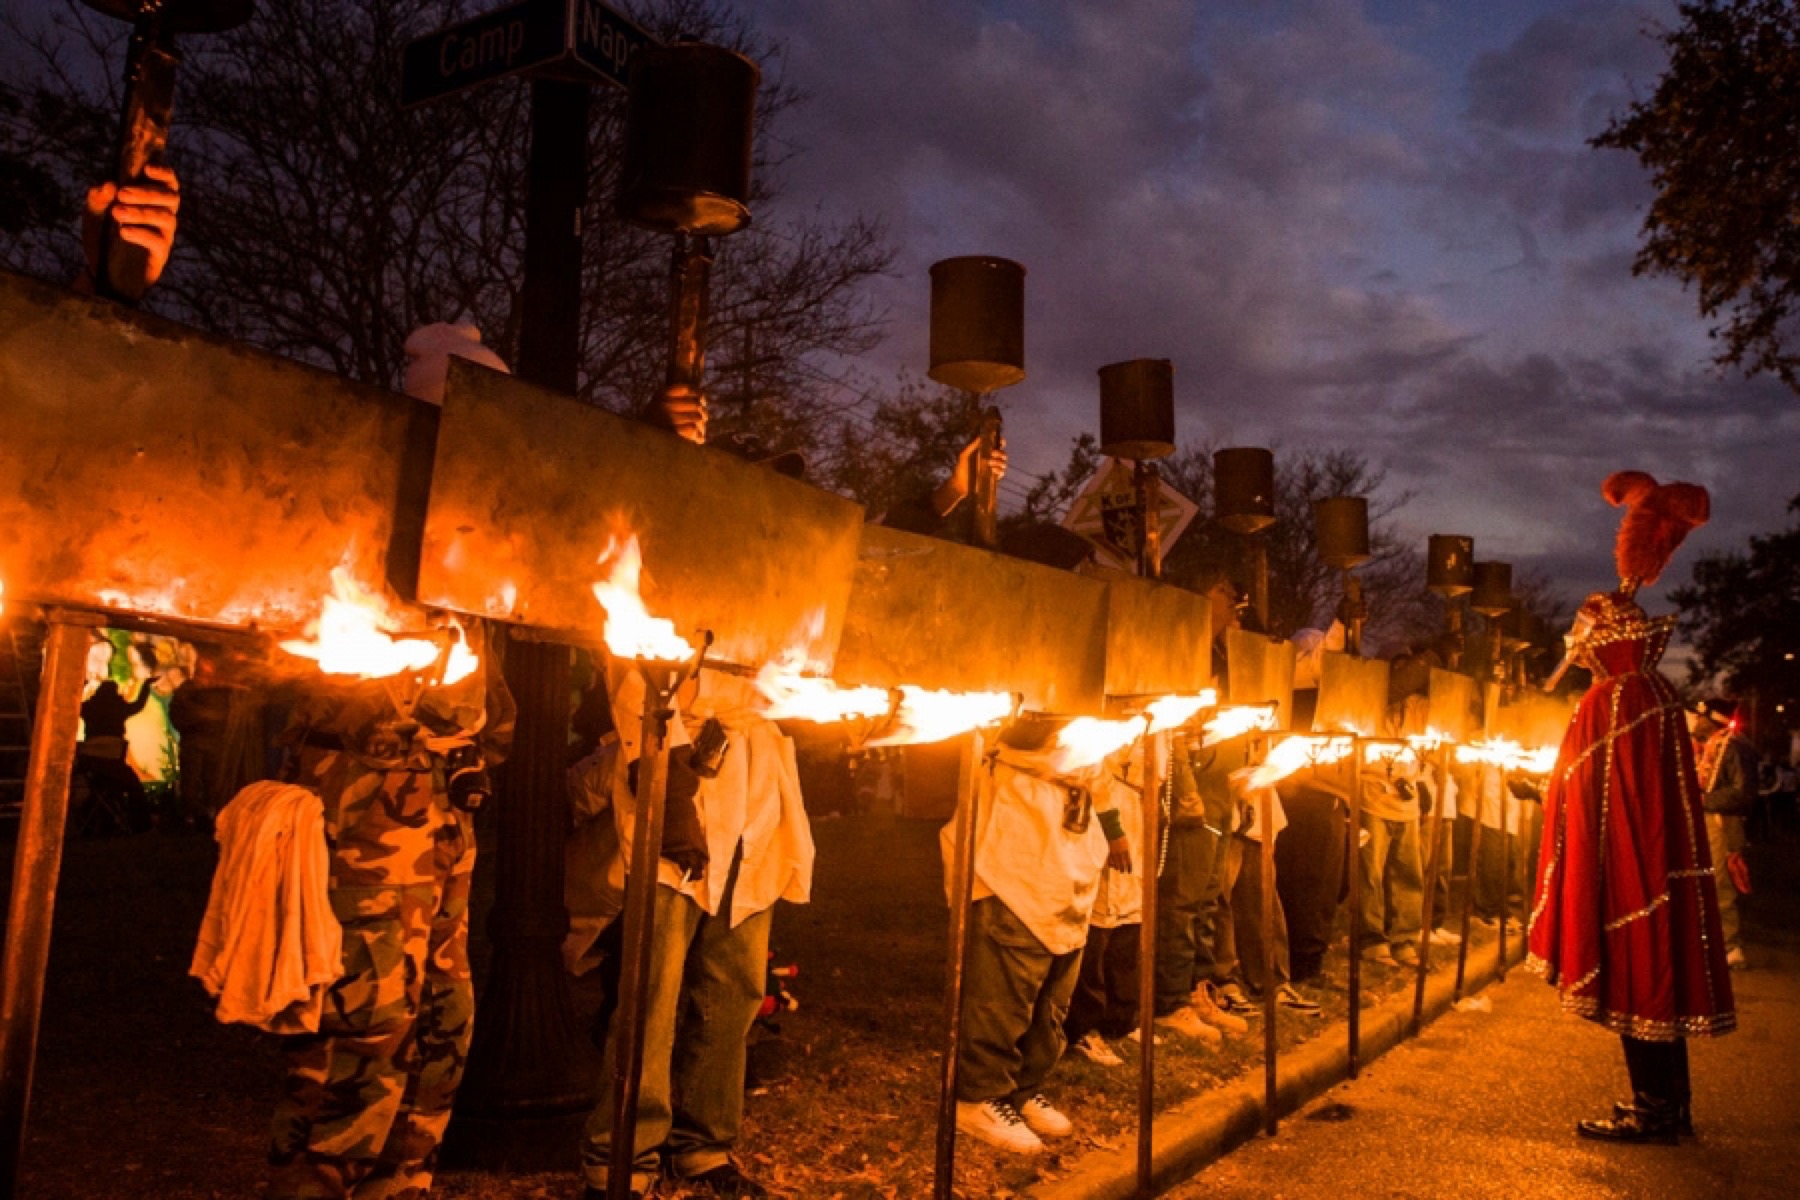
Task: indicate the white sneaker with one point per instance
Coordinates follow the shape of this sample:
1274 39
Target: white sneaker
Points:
1445 937
1137 1035
997 1123
1093 1047
1043 1119
1185 1020
1206 1006
1734 959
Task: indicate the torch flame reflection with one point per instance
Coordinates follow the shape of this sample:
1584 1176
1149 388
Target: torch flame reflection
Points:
346 637
631 632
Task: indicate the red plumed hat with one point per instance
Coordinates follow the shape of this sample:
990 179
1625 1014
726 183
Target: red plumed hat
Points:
1657 517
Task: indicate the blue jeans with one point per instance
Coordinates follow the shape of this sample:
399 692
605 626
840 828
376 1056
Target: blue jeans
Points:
691 1098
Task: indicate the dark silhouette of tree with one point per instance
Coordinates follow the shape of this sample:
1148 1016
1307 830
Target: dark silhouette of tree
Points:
322 222
1718 139
1739 612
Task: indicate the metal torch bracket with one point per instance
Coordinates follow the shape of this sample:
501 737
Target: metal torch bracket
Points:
147 467
530 484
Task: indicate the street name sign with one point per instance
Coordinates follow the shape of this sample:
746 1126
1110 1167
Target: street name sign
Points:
580 40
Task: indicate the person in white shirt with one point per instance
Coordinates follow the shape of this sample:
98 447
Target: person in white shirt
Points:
1043 836
714 899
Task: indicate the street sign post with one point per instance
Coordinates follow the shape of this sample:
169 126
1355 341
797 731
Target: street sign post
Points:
581 41
527 1092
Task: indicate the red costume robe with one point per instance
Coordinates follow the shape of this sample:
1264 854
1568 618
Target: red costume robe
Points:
1626 921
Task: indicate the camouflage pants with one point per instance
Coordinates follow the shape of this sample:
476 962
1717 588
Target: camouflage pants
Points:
367 1098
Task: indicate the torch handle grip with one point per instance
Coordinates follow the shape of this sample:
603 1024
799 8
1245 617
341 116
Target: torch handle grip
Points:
143 137
985 487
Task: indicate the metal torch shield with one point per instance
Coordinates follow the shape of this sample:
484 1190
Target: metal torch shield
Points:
530 485
151 468
940 615
1260 670
1534 720
1455 705
1158 638
1353 695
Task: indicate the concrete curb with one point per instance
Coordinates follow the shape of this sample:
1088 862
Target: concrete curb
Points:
1200 1131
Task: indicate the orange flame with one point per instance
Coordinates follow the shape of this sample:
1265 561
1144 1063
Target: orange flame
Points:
463 662
1237 721
1088 740
1509 755
1172 712
1417 746
346 636
794 696
631 632
1292 753
927 716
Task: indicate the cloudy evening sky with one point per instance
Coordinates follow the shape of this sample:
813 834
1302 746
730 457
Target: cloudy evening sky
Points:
1374 225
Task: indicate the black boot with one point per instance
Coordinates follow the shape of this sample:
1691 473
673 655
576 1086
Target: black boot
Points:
1684 1116
1645 1120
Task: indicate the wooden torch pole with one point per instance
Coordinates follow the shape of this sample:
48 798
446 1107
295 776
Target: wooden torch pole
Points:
1472 869
962 890
1433 865
1355 1016
1505 867
36 862
1154 746
640 914
1266 815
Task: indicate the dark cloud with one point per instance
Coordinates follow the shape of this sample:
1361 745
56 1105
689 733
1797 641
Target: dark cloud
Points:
1344 231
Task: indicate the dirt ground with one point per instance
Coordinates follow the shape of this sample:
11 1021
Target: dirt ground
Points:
140 1093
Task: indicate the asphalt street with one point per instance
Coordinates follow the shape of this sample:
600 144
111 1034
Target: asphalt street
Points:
1485 1104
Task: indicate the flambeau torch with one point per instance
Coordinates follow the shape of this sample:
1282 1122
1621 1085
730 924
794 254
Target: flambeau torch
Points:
1342 526
1244 503
1492 598
689 125
1137 422
1450 572
150 63
978 346
664 660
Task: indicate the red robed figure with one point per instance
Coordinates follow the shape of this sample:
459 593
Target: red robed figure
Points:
1626 920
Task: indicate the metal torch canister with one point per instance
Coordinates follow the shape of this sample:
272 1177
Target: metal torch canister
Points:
978 347
1137 422
689 125
1137 409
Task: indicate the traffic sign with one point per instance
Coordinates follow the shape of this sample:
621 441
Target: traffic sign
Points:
1105 512
582 40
